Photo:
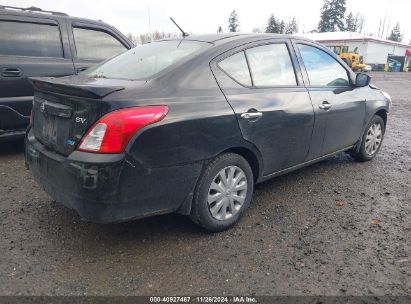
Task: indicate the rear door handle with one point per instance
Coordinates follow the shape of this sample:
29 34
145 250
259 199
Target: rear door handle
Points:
251 115
325 106
8 72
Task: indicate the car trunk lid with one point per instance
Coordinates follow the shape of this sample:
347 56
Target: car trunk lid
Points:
65 108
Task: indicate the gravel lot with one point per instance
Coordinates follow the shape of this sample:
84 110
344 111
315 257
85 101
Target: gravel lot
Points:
334 228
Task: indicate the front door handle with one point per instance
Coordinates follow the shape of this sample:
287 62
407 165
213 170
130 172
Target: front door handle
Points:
8 72
251 115
325 106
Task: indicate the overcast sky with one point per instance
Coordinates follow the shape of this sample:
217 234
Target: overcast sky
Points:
131 16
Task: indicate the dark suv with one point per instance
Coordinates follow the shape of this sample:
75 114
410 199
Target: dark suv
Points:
34 42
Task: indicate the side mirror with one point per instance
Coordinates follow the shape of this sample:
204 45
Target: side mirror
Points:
362 80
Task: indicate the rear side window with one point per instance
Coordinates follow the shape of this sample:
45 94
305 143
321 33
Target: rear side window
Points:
236 67
271 65
322 69
30 39
144 61
94 44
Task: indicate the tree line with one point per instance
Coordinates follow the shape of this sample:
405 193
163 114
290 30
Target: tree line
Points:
333 18
274 25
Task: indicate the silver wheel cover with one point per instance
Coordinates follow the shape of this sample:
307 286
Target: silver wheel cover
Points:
373 138
227 193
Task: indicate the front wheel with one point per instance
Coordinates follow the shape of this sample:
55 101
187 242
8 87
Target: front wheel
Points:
371 140
224 191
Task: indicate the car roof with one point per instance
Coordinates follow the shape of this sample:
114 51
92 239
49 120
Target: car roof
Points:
229 37
4 10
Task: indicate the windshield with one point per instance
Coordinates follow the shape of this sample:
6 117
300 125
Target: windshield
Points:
144 61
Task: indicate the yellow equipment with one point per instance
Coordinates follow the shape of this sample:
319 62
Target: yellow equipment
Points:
354 60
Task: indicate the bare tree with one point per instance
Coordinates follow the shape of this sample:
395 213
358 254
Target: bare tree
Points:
291 27
354 23
132 38
144 38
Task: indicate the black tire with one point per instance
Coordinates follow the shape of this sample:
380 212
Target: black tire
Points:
200 210
361 154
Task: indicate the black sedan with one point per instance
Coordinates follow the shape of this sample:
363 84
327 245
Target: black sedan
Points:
191 125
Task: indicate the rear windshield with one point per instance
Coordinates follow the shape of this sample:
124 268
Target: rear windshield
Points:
144 61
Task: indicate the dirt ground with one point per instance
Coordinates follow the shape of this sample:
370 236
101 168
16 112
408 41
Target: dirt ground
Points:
334 228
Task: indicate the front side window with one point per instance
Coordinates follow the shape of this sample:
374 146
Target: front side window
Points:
94 44
322 69
30 39
144 61
271 65
236 66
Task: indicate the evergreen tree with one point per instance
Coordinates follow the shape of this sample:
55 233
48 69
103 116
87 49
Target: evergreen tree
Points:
350 25
396 34
233 23
332 16
291 27
338 8
272 25
324 25
281 27
276 26
220 30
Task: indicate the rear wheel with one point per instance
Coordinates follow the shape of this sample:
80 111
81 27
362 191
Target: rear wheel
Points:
223 192
371 140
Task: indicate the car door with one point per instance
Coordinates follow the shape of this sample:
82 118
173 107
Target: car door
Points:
92 44
263 85
339 106
29 46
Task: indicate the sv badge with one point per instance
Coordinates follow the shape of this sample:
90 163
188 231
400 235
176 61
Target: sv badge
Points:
80 119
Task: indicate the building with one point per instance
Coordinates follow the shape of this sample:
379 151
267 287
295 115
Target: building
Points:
374 50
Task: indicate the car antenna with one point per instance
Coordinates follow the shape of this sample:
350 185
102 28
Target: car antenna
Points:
184 33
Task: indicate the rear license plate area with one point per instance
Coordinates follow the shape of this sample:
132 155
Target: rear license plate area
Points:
49 129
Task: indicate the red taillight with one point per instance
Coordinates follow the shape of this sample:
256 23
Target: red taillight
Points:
114 130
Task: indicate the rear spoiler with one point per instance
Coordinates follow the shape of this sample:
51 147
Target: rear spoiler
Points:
81 87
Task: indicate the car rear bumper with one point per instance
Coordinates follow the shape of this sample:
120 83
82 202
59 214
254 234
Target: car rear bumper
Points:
107 188
8 135
14 113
